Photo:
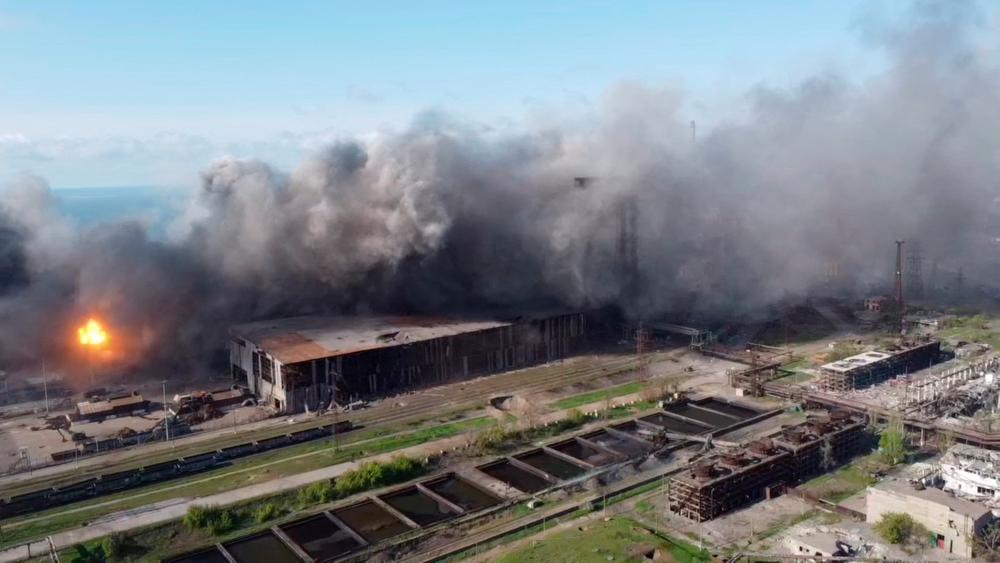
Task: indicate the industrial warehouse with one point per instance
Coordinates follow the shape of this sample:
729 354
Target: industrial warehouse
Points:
313 362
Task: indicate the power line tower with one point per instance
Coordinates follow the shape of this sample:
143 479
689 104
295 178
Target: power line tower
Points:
914 271
900 306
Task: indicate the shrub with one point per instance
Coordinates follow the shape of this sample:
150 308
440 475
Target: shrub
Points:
82 554
225 522
491 438
576 417
316 493
897 527
115 546
210 518
266 512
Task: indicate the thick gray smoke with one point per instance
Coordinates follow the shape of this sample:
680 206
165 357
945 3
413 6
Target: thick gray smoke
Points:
445 218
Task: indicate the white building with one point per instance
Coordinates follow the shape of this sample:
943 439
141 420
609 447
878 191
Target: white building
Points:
971 471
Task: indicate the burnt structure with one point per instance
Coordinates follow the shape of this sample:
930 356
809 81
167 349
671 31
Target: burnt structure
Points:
97 410
312 362
725 481
871 368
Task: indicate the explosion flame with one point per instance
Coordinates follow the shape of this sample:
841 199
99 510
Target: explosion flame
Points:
92 334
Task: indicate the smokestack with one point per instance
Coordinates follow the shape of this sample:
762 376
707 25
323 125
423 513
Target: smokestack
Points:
900 306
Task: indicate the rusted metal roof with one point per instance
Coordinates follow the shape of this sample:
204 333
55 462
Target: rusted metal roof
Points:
301 339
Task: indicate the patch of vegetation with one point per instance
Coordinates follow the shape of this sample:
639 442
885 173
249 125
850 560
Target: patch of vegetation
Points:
897 528
267 512
373 475
115 546
600 395
243 472
499 438
618 539
623 411
843 350
892 443
370 475
974 328
213 519
88 554
794 377
846 481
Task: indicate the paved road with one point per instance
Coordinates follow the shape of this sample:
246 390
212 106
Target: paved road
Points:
131 519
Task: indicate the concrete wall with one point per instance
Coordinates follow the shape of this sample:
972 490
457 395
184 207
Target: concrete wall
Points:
939 519
263 372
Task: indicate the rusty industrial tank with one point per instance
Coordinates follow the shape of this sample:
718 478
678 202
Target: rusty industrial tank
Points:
818 427
762 447
793 434
702 471
733 460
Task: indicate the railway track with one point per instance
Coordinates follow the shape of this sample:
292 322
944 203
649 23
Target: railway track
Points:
415 406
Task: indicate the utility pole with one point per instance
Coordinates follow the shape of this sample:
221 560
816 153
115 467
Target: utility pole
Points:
694 130
166 413
45 388
901 307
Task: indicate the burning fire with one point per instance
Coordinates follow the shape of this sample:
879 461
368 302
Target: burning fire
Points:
92 334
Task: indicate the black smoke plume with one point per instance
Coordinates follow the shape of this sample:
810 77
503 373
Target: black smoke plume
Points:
447 218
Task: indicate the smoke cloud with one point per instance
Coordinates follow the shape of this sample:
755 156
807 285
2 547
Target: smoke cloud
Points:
444 217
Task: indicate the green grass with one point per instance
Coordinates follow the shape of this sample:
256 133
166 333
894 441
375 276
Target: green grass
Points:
787 523
797 364
599 395
795 378
224 479
619 539
623 411
846 481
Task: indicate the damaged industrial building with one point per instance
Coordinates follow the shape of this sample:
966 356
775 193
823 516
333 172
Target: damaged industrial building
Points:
312 362
726 480
874 367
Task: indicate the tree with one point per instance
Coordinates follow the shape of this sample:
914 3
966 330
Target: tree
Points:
896 527
946 439
986 544
892 443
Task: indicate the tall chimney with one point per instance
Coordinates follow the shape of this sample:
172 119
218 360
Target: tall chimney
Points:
900 306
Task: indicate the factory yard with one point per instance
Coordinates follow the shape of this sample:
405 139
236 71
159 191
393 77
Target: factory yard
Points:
585 458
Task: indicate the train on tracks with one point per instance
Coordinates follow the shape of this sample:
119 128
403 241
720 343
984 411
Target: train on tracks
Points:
110 483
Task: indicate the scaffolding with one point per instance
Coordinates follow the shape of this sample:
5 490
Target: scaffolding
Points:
725 481
872 368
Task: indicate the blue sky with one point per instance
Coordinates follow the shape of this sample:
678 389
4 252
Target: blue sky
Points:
126 93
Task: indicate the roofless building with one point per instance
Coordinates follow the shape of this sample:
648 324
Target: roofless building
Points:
307 362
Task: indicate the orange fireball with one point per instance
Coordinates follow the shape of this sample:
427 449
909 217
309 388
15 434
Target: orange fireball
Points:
92 334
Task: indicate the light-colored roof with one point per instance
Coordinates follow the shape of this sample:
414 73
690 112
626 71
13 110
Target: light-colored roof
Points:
301 339
962 506
825 542
856 361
